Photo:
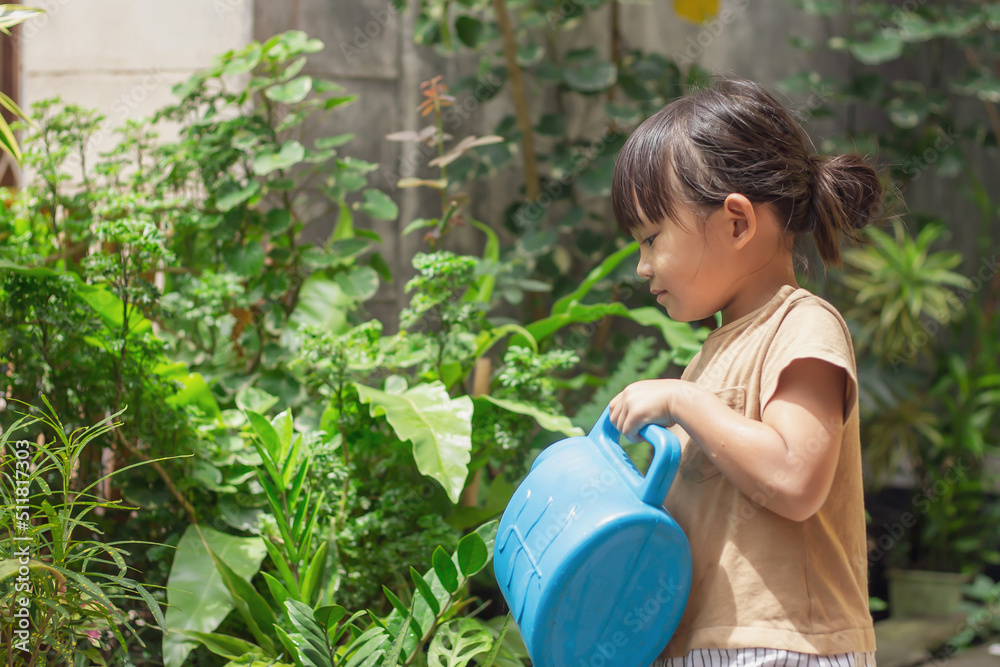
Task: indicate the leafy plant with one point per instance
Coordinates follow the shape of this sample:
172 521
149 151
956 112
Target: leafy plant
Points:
321 634
64 593
899 282
10 16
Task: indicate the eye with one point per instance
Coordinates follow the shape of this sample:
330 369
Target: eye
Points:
649 240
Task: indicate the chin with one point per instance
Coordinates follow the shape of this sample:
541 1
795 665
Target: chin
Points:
679 314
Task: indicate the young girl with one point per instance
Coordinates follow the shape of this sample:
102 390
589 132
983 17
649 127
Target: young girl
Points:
717 187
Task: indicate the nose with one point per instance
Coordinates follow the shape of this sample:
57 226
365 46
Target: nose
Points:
644 268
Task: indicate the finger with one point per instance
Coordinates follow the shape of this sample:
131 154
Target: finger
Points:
619 420
628 429
615 409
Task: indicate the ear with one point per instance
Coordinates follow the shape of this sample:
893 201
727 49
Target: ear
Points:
741 220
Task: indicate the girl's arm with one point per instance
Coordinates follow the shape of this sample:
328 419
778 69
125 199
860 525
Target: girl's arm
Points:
790 455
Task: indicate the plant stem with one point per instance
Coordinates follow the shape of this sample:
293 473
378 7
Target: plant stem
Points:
532 185
433 627
169 483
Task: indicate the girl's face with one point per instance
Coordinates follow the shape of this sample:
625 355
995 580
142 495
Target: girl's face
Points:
687 265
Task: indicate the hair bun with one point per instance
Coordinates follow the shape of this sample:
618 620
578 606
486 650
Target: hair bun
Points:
845 195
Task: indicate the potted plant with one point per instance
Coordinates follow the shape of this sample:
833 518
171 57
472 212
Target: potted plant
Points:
930 394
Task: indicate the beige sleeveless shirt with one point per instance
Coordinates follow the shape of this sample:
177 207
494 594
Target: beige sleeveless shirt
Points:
761 580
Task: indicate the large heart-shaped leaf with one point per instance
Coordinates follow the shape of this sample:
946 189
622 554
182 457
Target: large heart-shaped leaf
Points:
439 426
197 597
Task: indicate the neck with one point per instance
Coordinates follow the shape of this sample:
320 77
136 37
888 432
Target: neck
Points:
757 288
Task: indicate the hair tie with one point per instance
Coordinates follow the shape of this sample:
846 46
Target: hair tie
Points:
814 163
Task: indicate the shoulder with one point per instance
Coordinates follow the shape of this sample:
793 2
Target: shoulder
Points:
805 314
810 327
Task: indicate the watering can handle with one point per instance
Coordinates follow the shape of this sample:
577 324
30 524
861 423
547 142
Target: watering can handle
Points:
666 456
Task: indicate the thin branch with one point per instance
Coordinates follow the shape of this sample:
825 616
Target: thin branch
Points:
532 185
188 507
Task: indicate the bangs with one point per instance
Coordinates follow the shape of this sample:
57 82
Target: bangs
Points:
642 187
660 168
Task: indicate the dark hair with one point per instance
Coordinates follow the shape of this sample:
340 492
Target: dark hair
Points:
734 136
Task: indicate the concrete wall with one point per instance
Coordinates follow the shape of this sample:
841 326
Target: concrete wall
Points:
123 56
370 50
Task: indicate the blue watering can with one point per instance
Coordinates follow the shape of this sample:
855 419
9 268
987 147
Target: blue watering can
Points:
594 570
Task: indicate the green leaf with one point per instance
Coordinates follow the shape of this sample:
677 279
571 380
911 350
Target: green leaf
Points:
314 652
591 77
425 591
470 30
243 61
884 46
292 92
445 569
235 194
457 643
195 391
378 205
197 597
551 124
278 592
322 303
277 221
679 335
253 399
472 554
345 224
249 603
290 154
324 143
246 259
547 420
498 642
360 283
12 15
439 426
226 646
530 55
596 274
281 563
314 573
268 436
420 223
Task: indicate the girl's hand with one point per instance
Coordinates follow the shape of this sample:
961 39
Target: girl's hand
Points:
650 402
